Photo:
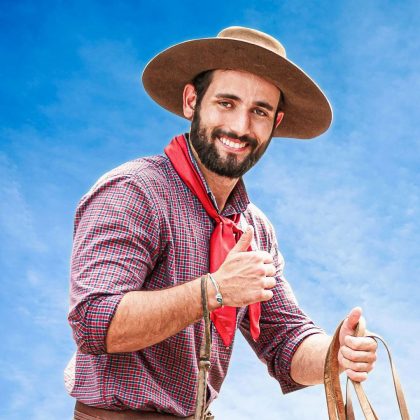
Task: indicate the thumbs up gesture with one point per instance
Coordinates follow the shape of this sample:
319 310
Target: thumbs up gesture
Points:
357 353
246 277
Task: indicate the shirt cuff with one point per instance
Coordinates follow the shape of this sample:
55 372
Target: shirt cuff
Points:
90 333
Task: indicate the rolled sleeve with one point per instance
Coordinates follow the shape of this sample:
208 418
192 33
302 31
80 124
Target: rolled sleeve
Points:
283 328
116 245
279 365
90 321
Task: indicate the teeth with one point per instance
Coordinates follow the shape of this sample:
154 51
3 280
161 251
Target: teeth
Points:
230 143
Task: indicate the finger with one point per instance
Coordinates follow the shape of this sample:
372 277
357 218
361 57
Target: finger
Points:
360 343
244 241
356 376
269 283
266 295
265 257
358 356
357 367
270 270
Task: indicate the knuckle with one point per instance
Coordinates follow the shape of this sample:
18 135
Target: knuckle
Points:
344 351
266 295
261 294
362 376
356 376
271 270
348 353
373 345
358 345
354 342
345 363
249 256
370 367
270 282
260 271
258 256
268 257
361 367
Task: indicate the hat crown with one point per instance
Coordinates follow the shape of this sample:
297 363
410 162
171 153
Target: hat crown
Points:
254 37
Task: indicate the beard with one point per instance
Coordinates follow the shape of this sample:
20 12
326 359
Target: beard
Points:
205 146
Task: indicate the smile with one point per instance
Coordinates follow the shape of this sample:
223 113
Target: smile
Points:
237 145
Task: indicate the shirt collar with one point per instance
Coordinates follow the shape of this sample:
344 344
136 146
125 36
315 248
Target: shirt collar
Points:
238 200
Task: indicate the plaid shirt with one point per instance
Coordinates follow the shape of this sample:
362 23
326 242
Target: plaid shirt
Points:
140 228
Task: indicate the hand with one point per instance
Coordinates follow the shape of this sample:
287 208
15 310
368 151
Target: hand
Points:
357 355
246 277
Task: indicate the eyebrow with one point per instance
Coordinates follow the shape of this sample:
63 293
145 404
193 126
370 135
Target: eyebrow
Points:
237 98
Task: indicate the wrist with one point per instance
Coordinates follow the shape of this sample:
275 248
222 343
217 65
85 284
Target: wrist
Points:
215 297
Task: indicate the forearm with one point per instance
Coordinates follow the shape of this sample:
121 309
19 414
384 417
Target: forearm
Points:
308 361
144 318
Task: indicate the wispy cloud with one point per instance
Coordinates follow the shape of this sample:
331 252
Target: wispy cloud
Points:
345 207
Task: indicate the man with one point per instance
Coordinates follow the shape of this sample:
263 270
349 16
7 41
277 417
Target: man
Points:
152 231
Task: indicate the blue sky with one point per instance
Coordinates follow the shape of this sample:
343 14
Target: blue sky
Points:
346 207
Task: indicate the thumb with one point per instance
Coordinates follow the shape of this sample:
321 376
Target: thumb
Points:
244 241
354 318
354 324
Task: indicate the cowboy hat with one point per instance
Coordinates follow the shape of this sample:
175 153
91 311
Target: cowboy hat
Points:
307 112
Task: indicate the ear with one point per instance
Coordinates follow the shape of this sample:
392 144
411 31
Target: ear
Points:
279 118
189 99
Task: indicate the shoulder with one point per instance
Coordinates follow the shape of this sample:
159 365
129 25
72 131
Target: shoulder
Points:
146 171
140 182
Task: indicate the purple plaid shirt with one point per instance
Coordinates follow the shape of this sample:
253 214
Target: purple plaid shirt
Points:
140 228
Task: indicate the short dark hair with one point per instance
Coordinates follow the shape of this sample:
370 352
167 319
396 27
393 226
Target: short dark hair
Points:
201 83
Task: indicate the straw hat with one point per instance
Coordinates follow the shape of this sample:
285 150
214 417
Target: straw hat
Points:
307 112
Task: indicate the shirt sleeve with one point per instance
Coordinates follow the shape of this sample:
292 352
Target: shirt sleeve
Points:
116 245
283 328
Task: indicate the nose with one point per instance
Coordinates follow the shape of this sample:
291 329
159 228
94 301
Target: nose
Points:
240 122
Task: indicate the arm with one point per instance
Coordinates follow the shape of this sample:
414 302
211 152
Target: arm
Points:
357 355
146 318
117 245
308 361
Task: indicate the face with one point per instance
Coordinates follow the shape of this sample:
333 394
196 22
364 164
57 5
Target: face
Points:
232 126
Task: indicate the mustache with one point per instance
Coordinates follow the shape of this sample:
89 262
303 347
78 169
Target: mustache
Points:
218 132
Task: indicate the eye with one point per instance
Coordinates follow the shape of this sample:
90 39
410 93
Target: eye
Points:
260 112
225 104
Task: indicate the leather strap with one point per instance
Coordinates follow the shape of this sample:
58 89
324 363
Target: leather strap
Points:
204 362
336 408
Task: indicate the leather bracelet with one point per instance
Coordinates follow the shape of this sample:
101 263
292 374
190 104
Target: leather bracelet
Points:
218 296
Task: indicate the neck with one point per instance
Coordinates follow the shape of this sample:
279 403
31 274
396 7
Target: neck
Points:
220 186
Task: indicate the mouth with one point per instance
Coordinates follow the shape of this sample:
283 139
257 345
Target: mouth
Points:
233 144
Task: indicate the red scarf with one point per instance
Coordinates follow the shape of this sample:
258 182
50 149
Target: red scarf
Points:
222 240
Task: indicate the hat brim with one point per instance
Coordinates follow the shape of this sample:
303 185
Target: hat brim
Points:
307 112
